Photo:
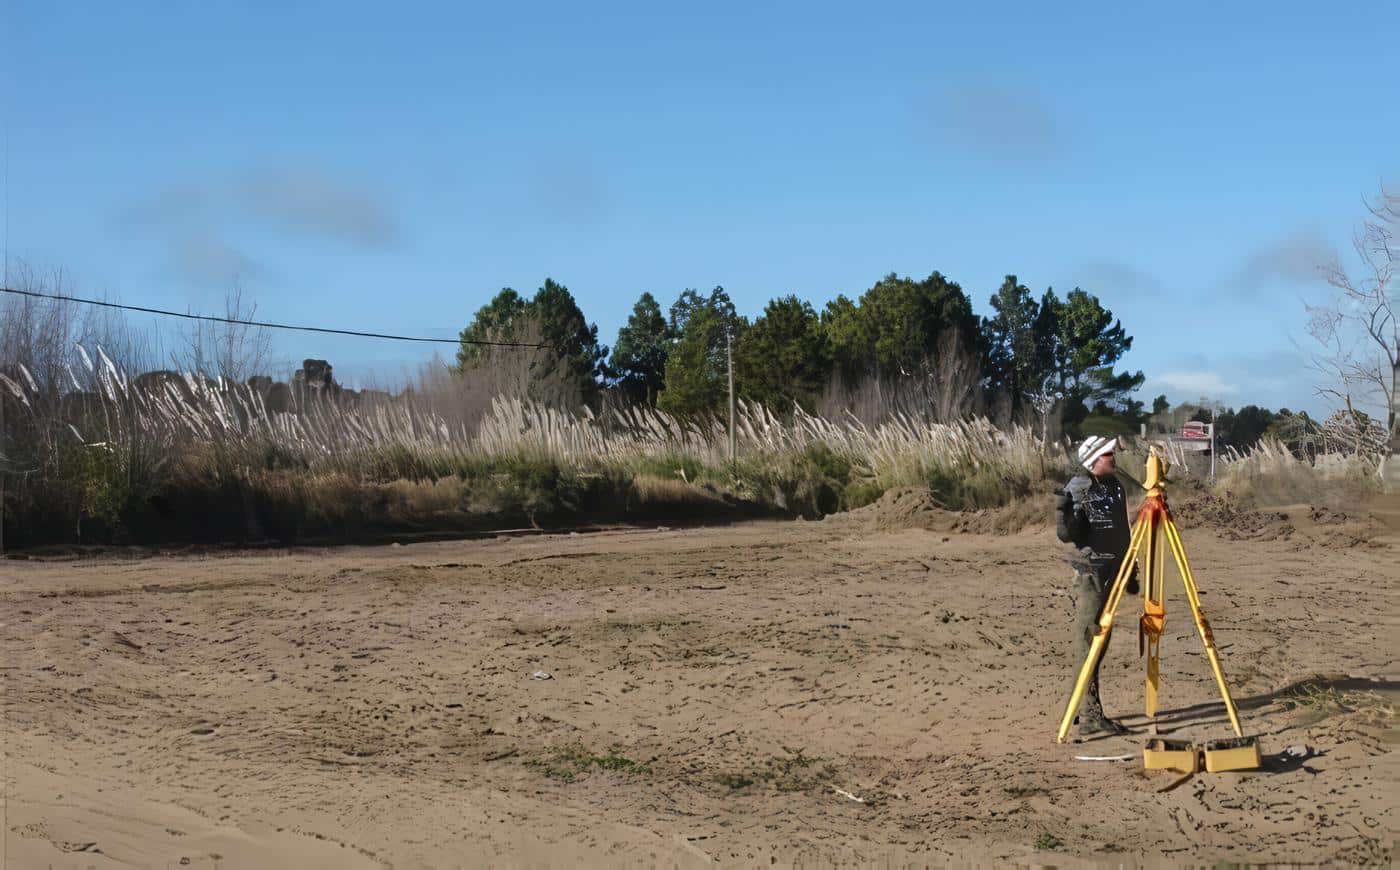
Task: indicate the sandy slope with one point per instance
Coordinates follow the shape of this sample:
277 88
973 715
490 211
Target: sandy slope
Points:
363 707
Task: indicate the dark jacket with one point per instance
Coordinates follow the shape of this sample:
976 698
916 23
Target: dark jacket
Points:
1092 514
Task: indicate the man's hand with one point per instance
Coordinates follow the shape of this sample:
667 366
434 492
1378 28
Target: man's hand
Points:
1070 522
1066 528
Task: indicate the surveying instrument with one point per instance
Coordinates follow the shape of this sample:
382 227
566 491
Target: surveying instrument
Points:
1153 532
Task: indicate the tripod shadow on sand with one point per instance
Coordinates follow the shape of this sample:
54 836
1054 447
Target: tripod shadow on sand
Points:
1213 712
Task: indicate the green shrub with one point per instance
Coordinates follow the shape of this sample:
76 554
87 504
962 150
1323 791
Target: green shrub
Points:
98 479
976 488
861 492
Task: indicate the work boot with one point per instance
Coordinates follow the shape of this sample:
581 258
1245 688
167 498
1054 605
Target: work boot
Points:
1091 719
1095 723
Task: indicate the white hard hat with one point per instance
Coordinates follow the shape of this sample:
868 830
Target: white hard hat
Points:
1093 447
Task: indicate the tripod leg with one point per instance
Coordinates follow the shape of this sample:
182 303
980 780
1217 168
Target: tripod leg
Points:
1154 616
1115 595
1149 629
1202 627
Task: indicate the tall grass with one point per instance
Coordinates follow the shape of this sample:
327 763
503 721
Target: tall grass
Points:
102 455
1269 474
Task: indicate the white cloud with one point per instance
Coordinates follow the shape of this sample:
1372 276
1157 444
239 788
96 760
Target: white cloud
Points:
1010 121
303 199
196 220
1103 276
205 261
1294 260
308 200
1195 384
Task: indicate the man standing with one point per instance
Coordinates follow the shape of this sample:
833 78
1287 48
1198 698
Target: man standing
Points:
1092 514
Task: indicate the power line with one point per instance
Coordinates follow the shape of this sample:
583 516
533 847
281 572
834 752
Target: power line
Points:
322 329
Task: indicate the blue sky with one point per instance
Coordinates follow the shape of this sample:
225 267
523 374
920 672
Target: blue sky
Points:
391 167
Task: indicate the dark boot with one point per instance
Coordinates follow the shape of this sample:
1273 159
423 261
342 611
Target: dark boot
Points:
1091 720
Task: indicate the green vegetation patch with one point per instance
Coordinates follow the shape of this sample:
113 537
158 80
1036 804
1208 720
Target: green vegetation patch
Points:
794 770
569 763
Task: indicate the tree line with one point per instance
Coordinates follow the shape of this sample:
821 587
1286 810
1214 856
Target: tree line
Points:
1030 353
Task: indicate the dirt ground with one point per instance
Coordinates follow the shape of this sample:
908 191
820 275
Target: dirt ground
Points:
882 687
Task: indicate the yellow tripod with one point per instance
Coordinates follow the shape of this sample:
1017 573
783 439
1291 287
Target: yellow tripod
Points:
1152 531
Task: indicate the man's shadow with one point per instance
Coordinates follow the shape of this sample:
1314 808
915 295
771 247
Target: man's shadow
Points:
1291 759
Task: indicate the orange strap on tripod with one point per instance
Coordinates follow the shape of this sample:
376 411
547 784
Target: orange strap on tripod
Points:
1150 626
1154 616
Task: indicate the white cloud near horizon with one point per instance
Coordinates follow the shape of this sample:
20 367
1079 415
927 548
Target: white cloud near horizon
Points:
1193 383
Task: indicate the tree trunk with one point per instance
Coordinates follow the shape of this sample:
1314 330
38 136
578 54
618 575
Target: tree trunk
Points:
1394 396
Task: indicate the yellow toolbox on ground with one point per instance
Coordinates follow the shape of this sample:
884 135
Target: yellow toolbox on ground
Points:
1160 754
1236 753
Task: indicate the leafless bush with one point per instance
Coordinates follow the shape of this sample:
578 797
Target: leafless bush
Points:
233 351
946 387
41 333
464 397
38 333
1358 331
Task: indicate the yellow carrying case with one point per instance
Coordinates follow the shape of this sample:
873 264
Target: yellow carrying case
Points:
1235 753
1160 754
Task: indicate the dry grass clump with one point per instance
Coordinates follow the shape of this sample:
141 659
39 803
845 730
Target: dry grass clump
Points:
1270 475
652 490
1368 706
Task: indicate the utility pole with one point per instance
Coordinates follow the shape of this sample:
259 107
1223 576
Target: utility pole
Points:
4 469
1212 445
5 282
729 354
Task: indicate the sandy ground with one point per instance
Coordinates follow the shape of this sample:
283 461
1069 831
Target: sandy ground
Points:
803 694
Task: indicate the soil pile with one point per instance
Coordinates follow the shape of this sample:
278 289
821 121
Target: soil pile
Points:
1225 517
916 507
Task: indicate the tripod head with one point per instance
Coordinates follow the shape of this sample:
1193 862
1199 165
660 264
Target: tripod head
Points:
1155 481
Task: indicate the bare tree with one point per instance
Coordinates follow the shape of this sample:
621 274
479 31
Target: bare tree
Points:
1043 401
951 379
38 333
944 387
1357 330
233 351
536 374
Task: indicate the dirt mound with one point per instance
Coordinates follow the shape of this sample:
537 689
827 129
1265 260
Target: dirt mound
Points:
908 507
915 507
1334 528
1308 524
1205 510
